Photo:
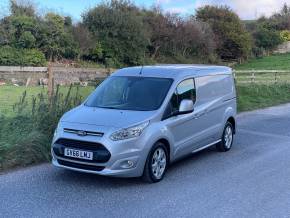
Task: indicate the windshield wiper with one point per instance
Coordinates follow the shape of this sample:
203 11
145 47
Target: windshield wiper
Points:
110 107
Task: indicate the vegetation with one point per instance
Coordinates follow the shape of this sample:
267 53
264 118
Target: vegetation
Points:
260 96
234 42
272 62
24 32
285 35
21 57
268 33
10 95
117 33
26 137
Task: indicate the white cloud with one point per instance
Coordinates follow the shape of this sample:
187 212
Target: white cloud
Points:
160 2
177 10
248 9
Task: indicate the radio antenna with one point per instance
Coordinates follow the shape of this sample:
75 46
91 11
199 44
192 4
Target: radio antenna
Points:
140 73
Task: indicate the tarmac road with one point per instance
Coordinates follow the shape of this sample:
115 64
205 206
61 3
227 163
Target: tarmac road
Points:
252 180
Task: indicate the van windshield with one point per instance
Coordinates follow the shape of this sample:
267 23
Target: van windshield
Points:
130 93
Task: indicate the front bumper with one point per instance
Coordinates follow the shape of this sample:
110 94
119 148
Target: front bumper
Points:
133 172
124 158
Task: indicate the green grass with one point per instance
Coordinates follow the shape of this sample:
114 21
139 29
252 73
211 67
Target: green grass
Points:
9 95
251 97
272 62
26 132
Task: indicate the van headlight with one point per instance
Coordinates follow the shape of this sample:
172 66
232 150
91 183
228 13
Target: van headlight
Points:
130 132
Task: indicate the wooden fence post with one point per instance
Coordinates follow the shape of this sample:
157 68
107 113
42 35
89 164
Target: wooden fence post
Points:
50 80
253 77
276 79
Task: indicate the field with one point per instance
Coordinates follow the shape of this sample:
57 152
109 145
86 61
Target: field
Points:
273 62
10 95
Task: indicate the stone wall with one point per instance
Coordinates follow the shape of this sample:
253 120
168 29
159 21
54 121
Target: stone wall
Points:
283 48
38 75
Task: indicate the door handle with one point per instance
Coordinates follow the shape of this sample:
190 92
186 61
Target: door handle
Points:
198 115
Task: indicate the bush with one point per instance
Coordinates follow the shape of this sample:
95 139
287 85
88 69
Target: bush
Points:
33 57
267 38
233 41
21 57
285 35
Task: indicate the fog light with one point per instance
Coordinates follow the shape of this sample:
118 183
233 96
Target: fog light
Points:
127 164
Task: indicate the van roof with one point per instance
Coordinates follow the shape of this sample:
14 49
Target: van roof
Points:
173 71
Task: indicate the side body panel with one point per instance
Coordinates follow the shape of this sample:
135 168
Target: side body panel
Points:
216 94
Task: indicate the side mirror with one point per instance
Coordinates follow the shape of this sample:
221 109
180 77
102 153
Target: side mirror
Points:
186 106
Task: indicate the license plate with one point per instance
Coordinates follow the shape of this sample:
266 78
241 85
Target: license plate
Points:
85 155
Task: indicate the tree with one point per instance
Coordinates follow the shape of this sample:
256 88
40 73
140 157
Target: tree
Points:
266 38
281 20
22 8
84 39
55 41
118 27
23 31
158 26
233 41
26 40
173 38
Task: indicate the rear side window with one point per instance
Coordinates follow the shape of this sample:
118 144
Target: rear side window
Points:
184 90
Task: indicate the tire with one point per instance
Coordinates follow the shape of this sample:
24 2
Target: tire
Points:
150 174
227 138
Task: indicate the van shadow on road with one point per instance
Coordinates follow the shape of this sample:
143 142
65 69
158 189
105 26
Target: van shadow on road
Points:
179 168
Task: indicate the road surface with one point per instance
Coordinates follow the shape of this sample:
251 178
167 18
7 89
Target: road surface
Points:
252 180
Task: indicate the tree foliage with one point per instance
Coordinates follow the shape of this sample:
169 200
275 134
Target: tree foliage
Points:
117 26
24 57
117 33
234 42
285 35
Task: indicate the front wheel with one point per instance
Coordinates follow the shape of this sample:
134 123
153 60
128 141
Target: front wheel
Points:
227 138
156 163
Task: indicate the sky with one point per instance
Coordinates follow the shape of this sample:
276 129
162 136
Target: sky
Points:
246 9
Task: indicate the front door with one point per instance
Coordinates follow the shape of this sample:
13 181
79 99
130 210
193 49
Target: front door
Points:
187 129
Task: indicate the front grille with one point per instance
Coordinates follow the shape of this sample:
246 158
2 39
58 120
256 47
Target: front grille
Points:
83 133
92 146
80 166
100 153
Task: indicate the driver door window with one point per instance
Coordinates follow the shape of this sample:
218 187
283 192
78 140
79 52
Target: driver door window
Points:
184 90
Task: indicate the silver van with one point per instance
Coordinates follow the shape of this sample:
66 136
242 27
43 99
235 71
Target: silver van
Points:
141 119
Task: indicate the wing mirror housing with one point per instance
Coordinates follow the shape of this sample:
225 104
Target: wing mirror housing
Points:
185 107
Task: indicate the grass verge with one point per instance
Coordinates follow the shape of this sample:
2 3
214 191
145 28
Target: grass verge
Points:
261 96
26 134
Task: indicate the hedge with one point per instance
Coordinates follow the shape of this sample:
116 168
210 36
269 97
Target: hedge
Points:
21 57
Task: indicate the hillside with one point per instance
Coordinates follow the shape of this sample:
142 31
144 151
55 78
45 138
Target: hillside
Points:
272 62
